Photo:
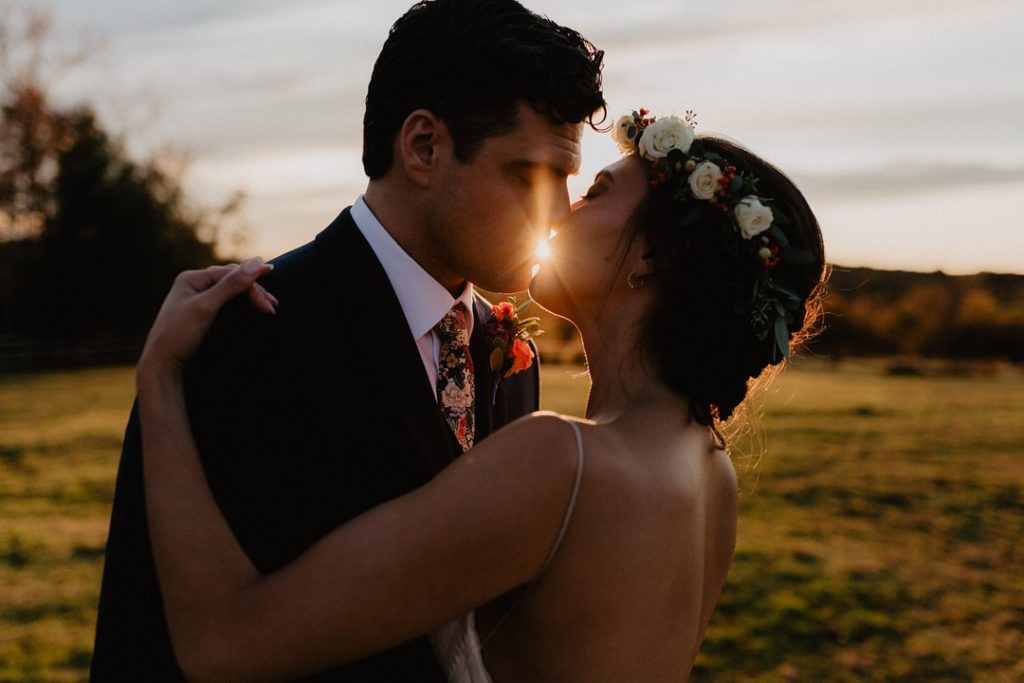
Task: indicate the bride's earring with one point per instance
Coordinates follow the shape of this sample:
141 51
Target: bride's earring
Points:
634 281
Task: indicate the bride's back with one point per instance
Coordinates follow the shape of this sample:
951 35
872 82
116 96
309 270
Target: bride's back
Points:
630 591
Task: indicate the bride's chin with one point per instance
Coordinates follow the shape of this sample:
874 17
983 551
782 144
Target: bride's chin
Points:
548 295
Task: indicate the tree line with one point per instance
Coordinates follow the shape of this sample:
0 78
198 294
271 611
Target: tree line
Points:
90 239
870 312
875 312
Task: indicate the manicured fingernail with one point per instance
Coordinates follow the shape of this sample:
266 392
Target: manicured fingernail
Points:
252 266
270 266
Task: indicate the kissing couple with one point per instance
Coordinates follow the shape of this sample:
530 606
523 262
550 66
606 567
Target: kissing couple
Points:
336 469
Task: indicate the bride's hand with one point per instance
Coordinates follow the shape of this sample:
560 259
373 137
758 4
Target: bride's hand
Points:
190 308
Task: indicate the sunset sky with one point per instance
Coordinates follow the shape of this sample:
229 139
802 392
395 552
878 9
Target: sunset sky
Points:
902 121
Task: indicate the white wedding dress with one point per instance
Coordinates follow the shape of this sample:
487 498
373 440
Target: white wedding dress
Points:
457 645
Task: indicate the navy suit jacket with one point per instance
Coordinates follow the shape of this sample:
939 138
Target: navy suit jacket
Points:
303 420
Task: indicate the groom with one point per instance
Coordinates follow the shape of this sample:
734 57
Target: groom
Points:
308 418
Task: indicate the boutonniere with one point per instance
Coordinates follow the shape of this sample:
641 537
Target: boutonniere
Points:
509 333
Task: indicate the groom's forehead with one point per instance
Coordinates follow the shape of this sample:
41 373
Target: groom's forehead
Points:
551 146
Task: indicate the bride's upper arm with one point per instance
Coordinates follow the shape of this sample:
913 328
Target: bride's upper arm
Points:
483 526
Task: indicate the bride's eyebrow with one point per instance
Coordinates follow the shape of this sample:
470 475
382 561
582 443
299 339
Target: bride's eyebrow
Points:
604 174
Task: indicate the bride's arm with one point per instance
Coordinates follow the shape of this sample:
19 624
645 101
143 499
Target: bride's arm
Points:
481 527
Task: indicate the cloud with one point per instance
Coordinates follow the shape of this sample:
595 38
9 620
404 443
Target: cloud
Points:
863 103
905 179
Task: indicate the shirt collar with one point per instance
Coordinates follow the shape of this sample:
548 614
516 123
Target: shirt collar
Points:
422 298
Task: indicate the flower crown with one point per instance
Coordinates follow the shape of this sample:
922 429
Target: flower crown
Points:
677 159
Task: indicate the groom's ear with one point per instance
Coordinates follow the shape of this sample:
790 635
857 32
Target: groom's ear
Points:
420 140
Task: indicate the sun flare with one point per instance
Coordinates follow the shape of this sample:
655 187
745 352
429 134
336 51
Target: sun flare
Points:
543 249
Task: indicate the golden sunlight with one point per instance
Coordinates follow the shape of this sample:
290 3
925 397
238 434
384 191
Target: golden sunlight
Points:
543 249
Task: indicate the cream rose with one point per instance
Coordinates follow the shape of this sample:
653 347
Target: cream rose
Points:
664 135
704 180
620 133
752 216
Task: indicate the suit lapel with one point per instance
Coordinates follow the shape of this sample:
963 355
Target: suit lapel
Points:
365 297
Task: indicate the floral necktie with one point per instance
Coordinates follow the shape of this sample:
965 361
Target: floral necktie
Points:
455 385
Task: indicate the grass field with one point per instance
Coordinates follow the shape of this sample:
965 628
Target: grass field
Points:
881 526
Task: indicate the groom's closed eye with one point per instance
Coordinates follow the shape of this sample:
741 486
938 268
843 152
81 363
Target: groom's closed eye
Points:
534 173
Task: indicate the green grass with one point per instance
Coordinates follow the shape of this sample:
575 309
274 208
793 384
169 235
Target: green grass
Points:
60 437
880 537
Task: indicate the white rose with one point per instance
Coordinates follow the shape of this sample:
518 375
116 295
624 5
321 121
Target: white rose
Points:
752 216
620 133
664 135
704 180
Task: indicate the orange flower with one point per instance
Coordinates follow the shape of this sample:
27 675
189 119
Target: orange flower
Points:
522 357
504 311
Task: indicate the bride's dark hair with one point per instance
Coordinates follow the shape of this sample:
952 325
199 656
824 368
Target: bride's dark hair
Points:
698 335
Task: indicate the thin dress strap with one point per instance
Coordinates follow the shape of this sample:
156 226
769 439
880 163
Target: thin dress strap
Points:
558 539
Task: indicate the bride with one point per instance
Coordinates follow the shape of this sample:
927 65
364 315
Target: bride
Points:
558 549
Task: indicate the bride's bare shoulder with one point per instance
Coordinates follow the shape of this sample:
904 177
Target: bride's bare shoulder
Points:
725 479
541 425
541 443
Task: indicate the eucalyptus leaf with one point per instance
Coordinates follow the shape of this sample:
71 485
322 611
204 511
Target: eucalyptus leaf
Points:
778 235
782 337
735 184
795 256
783 290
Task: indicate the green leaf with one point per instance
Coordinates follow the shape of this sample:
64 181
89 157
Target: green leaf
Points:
783 290
776 234
782 337
735 184
795 256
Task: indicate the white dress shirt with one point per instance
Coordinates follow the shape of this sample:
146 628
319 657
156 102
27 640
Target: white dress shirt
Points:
424 301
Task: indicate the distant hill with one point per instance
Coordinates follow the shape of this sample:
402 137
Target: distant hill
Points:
872 312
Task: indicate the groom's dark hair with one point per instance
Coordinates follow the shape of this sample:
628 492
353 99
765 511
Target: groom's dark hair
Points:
471 62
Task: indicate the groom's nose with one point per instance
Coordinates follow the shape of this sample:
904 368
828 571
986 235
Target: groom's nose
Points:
561 207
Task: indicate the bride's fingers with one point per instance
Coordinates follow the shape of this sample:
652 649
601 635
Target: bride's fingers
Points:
262 299
201 280
270 297
237 280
